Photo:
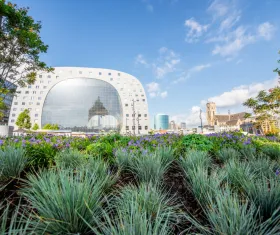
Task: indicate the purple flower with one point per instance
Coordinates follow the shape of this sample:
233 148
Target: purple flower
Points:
67 145
1 142
16 140
277 172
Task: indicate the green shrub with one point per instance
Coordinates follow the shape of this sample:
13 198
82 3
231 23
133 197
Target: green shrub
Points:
49 126
62 199
198 142
35 127
12 163
248 152
273 151
141 211
70 159
226 154
102 149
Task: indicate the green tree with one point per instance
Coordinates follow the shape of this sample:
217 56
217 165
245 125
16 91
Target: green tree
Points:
35 127
23 120
266 105
49 126
20 47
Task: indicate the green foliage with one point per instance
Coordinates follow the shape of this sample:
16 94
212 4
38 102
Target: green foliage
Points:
12 163
23 120
194 159
225 154
195 141
102 149
35 127
140 211
49 126
273 151
62 199
70 159
20 47
151 167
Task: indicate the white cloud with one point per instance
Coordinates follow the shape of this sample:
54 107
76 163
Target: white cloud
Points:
230 21
150 8
236 41
266 30
195 30
196 69
191 118
238 95
163 94
219 8
166 62
140 60
154 90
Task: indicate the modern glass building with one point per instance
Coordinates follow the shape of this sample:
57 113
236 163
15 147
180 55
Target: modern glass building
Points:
161 122
85 100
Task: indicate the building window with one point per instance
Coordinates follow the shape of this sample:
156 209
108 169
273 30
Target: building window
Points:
36 114
139 127
139 115
146 127
127 128
119 74
39 98
143 100
127 115
111 79
57 77
49 76
16 103
109 74
41 92
21 109
37 87
38 103
23 103
40 76
19 92
30 103
133 115
80 72
29 109
41 81
126 105
45 87
14 109
12 120
145 115
13 115
27 92
29 86
100 73
133 127
34 92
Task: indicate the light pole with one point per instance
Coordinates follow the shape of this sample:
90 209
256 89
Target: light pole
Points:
133 115
201 120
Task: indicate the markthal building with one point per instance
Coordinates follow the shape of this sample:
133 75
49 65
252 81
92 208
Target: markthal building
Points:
88 100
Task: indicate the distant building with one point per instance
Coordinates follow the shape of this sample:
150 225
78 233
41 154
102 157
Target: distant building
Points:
183 125
224 122
172 125
161 122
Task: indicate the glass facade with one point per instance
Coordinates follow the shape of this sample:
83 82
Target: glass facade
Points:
161 122
83 104
7 100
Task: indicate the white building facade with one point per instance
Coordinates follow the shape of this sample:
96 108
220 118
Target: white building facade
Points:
84 100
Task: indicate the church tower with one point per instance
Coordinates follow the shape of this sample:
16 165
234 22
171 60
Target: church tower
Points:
210 113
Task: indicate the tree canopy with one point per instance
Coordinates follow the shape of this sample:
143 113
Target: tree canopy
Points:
23 120
20 47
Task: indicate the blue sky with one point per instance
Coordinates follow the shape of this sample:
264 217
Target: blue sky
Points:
184 52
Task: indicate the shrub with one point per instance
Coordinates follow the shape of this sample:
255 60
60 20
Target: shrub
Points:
70 159
141 211
273 151
62 199
226 154
12 162
35 127
49 126
102 149
248 152
198 142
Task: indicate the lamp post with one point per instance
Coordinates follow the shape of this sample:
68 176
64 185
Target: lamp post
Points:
201 120
133 115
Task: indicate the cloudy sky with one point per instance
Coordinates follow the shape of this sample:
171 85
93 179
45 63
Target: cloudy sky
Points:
185 52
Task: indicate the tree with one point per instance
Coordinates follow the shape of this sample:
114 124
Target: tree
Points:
35 127
20 47
266 105
23 120
49 126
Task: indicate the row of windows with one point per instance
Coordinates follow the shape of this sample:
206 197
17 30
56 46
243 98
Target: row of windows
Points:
23 103
36 114
33 92
139 115
80 72
139 128
13 120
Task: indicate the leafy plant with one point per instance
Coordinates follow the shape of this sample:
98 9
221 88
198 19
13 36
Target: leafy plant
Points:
12 163
273 151
70 159
62 199
23 120
35 127
226 154
50 126
198 142
102 149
